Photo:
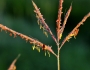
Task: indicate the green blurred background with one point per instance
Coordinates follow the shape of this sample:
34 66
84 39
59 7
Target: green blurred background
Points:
18 15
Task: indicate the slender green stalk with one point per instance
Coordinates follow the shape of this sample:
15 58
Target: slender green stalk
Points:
58 60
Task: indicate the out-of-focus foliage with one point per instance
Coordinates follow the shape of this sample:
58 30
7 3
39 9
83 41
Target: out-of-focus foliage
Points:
18 15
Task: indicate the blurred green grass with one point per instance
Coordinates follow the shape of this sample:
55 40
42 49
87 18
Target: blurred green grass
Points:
18 15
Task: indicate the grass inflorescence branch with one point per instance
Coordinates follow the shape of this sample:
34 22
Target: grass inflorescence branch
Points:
12 66
29 39
75 31
43 25
58 29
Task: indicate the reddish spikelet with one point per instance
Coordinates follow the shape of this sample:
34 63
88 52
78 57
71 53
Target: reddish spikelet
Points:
12 66
42 22
75 31
59 19
65 20
31 40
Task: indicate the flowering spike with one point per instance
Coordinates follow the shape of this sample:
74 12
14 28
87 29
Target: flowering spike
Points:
42 21
12 66
65 20
75 31
31 40
58 21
